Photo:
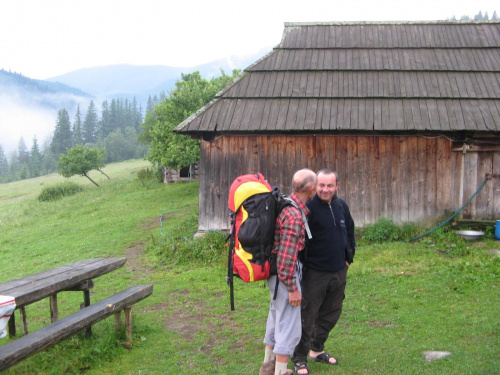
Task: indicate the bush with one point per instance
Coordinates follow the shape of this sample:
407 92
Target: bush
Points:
383 230
148 175
52 193
179 247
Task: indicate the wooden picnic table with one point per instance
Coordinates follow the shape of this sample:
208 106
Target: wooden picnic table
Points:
71 277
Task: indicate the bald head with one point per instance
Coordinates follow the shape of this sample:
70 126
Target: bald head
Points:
303 180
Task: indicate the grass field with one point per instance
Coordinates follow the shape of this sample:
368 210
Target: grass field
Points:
402 299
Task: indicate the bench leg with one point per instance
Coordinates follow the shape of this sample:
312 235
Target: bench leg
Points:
128 323
86 303
22 311
12 325
54 310
118 320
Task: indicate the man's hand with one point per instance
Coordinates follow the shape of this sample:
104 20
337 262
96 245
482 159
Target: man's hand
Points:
295 298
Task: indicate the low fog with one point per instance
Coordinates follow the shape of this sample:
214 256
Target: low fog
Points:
28 116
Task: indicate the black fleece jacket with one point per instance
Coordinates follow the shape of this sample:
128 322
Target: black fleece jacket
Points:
331 231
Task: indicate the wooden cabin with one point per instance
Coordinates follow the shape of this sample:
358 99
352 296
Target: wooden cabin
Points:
407 113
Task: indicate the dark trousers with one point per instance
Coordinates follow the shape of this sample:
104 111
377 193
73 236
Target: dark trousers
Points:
322 298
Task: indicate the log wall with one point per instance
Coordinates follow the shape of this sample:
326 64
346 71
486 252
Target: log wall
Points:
406 178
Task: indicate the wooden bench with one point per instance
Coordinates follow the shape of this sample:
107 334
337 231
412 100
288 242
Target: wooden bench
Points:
44 338
71 277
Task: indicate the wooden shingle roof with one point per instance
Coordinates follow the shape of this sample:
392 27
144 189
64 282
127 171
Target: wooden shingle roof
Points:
394 77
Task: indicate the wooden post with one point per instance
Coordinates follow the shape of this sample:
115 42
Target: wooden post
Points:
86 303
118 320
128 323
22 311
54 311
12 325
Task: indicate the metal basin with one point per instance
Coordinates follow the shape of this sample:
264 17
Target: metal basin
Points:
470 235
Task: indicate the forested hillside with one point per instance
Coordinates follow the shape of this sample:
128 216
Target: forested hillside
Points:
115 126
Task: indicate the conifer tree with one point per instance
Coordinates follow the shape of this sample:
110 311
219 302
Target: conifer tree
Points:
89 130
23 155
77 128
62 138
35 159
4 164
105 124
150 106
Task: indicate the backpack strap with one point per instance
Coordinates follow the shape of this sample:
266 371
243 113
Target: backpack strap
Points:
340 204
304 218
230 272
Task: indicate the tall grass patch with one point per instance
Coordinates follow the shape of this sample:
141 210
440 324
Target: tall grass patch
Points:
55 192
178 246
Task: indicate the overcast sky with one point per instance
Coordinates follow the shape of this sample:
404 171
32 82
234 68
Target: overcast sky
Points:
45 38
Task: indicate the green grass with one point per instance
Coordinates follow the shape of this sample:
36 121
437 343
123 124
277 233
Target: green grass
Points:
439 293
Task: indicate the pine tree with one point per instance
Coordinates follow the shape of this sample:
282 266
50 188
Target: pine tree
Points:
4 164
115 118
105 124
13 166
77 128
150 106
35 159
23 155
62 138
136 121
89 130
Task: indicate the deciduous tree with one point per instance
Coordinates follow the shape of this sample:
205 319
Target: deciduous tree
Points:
169 149
80 161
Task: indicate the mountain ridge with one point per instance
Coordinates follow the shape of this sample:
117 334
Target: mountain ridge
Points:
29 106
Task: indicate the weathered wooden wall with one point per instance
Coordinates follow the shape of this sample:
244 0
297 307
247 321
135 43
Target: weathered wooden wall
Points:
407 178
486 204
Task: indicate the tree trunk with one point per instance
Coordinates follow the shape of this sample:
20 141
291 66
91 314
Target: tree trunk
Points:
104 174
95 183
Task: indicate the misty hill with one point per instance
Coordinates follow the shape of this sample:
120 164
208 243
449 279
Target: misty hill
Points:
29 107
34 92
127 81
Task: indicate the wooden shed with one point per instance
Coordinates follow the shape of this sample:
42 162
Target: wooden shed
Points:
408 114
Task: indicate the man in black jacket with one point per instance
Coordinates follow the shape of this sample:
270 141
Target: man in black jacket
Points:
326 260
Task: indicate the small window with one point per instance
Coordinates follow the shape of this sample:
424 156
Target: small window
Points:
184 172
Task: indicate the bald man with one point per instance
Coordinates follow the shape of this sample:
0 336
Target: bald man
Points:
284 325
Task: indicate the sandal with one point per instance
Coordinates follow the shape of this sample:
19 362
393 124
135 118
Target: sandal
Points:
301 366
324 358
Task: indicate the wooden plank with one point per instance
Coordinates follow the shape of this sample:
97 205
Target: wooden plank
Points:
127 312
291 114
495 182
282 114
54 311
253 113
50 335
385 193
413 206
24 320
310 121
38 286
484 199
12 325
394 164
263 156
374 167
470 184
300 119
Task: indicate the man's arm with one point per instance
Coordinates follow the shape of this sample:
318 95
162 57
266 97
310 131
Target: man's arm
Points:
291 241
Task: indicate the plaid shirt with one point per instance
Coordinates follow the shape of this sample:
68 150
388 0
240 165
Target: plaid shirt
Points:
289 239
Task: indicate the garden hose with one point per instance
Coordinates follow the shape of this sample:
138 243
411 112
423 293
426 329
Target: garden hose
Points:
452 216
